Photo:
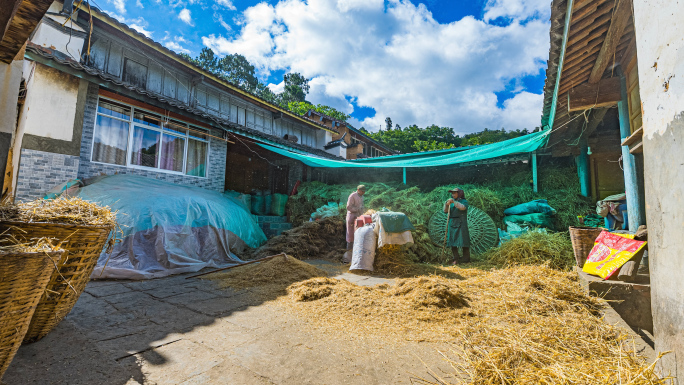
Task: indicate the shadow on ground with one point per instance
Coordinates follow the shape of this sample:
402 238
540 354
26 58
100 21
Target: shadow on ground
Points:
189 331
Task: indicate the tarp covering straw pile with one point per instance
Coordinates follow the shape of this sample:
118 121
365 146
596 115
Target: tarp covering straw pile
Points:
520 325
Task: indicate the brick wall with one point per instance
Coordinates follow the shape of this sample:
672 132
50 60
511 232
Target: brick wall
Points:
40 171
215 179
272 225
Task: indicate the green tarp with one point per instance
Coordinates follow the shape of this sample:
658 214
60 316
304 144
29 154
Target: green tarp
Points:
521 145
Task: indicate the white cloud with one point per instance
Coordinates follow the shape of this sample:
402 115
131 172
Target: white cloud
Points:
184 15
228 4
139 4
394 57
175 44
141 29
517 9
120 5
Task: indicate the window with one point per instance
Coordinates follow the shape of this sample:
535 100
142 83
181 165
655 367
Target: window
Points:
129 136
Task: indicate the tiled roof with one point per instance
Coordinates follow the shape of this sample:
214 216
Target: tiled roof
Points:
352 128
98 13
224 124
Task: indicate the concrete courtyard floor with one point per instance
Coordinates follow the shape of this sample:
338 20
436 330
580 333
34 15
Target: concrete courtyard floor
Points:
188 331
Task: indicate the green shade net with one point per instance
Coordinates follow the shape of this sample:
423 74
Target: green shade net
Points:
520 145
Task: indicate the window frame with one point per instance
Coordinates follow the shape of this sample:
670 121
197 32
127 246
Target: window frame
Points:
132 124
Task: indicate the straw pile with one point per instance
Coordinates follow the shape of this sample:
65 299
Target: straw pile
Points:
9 244
322 239
270 277
65 210
525 324
560 188
533 248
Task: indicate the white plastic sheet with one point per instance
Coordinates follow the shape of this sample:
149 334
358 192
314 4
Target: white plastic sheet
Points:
170 229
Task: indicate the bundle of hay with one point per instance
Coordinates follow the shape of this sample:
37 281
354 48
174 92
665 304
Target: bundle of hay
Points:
534 248
64 210
324 239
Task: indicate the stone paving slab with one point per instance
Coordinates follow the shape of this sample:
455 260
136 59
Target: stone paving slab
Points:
178 331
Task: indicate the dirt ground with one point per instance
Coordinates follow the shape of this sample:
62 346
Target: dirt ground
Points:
188 331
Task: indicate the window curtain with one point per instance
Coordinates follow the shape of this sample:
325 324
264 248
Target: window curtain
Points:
111 141
197 158
173 148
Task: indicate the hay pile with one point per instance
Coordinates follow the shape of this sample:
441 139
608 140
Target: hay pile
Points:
533 248
271 277
525 324
9 244
560 188
414 309
324 239
65 210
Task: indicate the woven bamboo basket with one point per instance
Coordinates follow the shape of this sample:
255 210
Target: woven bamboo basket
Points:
83 245
582 242
23 278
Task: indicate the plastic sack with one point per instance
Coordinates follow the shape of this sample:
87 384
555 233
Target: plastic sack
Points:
363 253
170 229
332 209
539 206
514 231
610 252
244 199
258 205
278 203
268 199
536 219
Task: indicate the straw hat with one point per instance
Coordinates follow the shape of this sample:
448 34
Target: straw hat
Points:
455 189
361 187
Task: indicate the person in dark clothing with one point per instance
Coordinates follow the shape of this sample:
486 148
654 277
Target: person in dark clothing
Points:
457 230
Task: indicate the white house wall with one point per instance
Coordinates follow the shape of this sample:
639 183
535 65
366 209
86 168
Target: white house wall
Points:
50 105
659 27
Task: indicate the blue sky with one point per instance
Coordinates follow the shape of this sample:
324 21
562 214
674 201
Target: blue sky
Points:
457 63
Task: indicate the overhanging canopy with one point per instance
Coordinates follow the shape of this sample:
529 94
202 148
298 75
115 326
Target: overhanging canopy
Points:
520 145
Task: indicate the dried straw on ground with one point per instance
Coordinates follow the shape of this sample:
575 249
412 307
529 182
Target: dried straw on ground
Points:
533 248
420 309
322 239
65 210
270 277
522 325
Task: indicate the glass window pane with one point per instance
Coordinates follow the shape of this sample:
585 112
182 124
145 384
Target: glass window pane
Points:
147 119
173 149
145 147
111 141
115 110
176 127
197 158
198 133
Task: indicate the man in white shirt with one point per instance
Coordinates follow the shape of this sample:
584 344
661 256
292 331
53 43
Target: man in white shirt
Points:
354 210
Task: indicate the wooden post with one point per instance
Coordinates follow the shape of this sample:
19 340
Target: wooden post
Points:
635 203
404 175
534 171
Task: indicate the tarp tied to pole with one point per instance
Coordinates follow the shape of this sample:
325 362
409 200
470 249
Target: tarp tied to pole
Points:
520 145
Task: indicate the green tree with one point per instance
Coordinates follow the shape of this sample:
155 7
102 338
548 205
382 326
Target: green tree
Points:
296 88
388 123
302 108
237 69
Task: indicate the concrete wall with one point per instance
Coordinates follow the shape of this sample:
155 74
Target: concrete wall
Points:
68 39
659 26
51 104
40 171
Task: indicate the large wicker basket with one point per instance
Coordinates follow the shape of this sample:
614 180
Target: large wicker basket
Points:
23 278
83 245
582 242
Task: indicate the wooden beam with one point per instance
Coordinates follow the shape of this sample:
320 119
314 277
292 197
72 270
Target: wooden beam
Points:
602 94
618 22
23 19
